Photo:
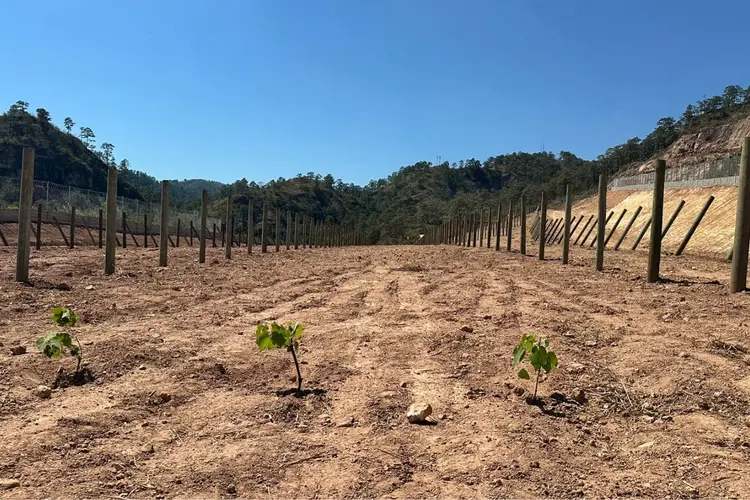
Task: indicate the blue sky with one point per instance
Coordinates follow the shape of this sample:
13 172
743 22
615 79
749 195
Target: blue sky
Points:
265 89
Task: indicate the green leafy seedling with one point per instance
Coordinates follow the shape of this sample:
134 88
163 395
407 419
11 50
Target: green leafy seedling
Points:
278 336
56 344
540 357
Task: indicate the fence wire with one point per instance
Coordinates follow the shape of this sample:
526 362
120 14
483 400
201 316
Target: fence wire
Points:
723 172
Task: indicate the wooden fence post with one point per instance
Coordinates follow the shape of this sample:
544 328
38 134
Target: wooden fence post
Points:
23 251
602 224
542 227
693 227
303 234
296 230
264 229
203 233
738 280
228 230
72 226
566 225
628 226
583 230
179 232
641 234
278 229
617 223
510 226
287 225
672 219
192 230
164 224
101 228
574 228
250 227
124 233
111 242
523 224
657 210
145 231
596 226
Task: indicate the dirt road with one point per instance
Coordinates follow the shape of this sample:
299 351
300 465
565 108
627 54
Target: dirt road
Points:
185 406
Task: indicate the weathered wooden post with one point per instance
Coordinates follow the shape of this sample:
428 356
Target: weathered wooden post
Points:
101 228
672 219
204 232
124 231
23 251
738 281
596 225
278 229
583 230
523 224
474 229
227 234
614 228
179 232
566 228
628 226
657 210
39 226
304 231
111 244
542 226
602 224
213 237
489 227
72 227
264 230
574 228
480 228
641 234
145 231
556 225
692 229
296 229
510 227
192 230
250 227
287 225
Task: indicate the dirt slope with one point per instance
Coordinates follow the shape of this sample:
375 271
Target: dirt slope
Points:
185 406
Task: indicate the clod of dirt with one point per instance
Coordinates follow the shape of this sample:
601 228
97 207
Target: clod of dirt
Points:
418 412
163 397
232 489
578 395
64 287
64 379
42 392
590 343
467 329
18 350
9 484
147 448
519 391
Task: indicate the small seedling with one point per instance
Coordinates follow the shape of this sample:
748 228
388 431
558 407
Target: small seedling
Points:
281 336
56 344
540 357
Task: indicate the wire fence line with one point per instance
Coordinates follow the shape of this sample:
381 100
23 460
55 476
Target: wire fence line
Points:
722 172
61 198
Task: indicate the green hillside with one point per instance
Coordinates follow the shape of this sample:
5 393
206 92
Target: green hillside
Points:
392 210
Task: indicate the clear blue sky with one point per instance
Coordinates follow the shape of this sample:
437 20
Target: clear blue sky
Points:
267 89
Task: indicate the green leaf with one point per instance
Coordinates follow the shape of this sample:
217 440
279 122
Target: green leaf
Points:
528 341
263 339
62 316
538 358
546 343
551 361
297 330
518 354
279 335
522 373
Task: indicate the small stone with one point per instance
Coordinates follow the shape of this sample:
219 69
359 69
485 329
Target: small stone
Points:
324 418
590 343
418 412
648 419
403 383
147 448
232 489
9 484
683 354
164 397
467 329
534 465
347 422
142 367
576 367
303 428
89 287
18 350
43 392
578 395
63 287
442 416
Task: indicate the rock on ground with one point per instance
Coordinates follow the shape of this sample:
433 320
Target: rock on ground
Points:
418 412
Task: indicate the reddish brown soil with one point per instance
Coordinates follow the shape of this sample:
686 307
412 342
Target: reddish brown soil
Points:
185 406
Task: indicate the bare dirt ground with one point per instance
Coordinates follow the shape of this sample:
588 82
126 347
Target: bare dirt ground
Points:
185 406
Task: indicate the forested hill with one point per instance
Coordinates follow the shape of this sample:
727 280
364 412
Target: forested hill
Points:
392 210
